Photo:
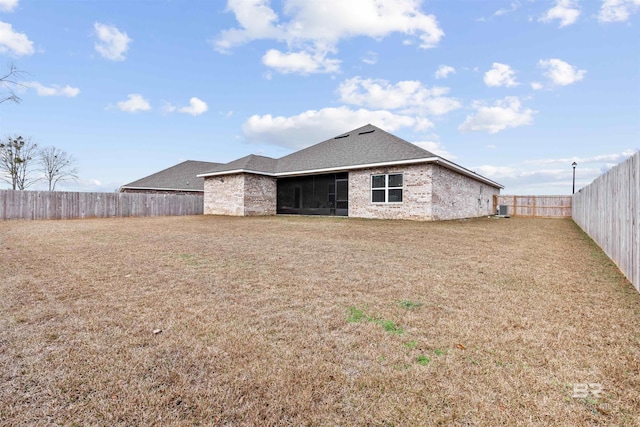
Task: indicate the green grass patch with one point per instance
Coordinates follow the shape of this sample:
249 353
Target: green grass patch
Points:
423 360
411 344
410 305
356 315
390 326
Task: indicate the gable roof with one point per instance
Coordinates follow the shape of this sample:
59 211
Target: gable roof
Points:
367 146
250 163
180 177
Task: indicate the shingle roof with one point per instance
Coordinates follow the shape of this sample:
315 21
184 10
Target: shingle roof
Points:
362 147
365 145
181 177
251 162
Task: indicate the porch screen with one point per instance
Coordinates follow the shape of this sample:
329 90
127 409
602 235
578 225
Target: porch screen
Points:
313 195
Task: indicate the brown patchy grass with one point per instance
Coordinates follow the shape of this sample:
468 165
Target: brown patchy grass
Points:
312 321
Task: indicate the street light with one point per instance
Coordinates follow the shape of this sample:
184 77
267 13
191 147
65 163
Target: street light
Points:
574 164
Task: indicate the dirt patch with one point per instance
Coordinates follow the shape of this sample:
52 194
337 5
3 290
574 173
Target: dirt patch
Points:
313 321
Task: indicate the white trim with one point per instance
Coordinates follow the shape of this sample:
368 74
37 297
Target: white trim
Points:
322 170
386 188
365 166
438 160
231 172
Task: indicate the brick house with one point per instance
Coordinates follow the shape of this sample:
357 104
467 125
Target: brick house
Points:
364 173
178 179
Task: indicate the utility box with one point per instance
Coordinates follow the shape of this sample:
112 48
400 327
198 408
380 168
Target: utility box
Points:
503 210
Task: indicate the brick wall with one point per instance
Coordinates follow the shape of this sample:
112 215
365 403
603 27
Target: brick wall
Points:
431 192
458 196
416 197
240 195
224 195
259 195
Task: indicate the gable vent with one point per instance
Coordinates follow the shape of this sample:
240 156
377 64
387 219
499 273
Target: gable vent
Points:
367 131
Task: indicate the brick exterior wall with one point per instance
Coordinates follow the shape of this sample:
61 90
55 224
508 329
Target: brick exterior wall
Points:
459 196
260 193
431 192
224 195
416 197
240 195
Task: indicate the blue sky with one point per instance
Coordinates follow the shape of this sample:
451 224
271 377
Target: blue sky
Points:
514 90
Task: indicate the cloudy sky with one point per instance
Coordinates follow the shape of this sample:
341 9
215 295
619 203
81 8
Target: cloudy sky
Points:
514 90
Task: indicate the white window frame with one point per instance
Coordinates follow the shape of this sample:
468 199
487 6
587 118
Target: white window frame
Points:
386 188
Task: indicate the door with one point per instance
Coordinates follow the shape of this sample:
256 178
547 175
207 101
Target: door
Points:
342 196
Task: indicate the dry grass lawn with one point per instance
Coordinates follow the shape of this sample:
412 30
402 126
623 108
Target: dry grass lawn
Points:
313 321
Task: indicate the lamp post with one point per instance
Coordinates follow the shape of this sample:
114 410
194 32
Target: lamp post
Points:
574 164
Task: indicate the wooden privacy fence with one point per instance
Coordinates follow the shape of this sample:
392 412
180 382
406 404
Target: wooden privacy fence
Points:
536 206
69 205
608 210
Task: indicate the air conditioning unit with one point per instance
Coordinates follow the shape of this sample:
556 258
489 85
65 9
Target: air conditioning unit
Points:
503 210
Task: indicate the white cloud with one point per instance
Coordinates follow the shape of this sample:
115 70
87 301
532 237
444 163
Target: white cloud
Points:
536 85
506 113
53 90
409 96
500 75
313 28
513 7
371 58
300 62
195 108
257 21
8 5
112 43
312 126
496 172
603 158
560 72
135 103
551 176
617 10
444 71
519 180
168 107
14 42
436 148
566 11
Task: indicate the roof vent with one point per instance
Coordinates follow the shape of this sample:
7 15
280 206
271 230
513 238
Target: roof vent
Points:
366 131
341 136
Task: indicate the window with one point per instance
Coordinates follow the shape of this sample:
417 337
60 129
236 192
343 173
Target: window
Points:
386 188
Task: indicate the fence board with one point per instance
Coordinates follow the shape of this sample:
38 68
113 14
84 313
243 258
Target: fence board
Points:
70 205
608 210
536 206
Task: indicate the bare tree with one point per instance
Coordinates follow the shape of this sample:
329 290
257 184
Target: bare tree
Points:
57 165
16 155
8 82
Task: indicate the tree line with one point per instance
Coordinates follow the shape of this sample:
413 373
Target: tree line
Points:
19 155
21 159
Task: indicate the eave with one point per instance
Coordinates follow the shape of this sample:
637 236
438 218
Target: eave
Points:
437 160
